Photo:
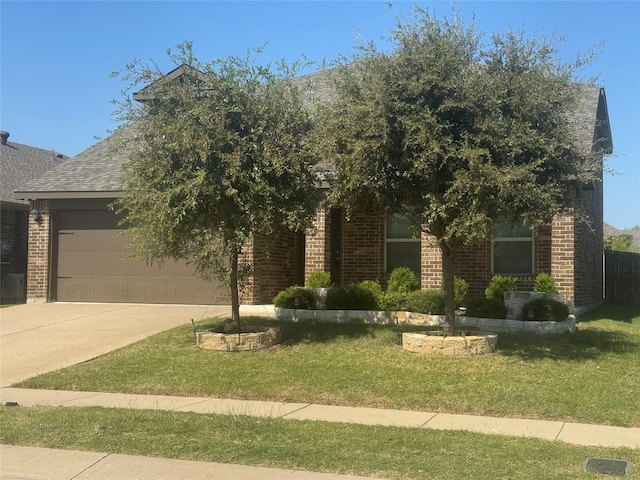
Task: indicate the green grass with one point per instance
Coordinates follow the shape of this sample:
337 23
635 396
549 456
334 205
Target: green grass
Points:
590 376
390 452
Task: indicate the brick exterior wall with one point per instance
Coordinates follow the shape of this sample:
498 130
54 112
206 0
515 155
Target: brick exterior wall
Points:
473 264
570 251
589 248
562 254
38 265
278 263
317 245
363 255
361 247
362 252
431 263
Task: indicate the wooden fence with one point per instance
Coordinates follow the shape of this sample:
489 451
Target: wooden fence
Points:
622 277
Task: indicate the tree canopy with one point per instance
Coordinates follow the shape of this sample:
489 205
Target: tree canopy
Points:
220 155
455 133
623 242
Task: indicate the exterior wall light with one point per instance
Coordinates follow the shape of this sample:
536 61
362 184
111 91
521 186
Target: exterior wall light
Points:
35 215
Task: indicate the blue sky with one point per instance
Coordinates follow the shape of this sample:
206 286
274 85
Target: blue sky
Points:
56 57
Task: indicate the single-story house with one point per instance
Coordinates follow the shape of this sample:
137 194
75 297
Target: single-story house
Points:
77 252
18 164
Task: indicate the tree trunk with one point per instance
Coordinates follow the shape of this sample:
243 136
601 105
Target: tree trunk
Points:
235 297
447 282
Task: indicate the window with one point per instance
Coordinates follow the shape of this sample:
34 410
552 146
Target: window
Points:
402 244
512 250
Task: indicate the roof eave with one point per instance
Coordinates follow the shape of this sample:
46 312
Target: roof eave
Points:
26 195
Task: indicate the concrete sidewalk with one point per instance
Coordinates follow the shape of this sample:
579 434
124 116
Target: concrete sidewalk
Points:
20 463
573 433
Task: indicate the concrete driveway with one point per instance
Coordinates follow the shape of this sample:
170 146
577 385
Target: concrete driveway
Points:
40 337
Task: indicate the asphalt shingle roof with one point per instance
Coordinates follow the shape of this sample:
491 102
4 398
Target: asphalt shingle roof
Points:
96 171
21 163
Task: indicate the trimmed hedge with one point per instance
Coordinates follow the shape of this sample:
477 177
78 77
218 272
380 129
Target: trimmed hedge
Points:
287 298
486 308
545 310
402 280
426 301
460 288
499 285
351 297
545 283
391 302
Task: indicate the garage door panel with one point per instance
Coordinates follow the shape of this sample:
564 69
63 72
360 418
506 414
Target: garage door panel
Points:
138 290
98 253
94 264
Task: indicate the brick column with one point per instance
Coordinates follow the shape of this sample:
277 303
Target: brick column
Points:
563 254
39 256
431 263
317 245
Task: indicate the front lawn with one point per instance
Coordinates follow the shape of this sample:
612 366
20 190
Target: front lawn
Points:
590 376
388 452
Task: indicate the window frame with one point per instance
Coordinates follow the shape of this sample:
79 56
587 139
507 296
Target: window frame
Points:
397 240
508 239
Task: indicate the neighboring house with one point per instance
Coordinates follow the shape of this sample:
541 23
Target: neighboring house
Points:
75 254
18 164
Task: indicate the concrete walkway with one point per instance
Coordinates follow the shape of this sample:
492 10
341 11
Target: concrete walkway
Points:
41 337
42 463
573 433
22 463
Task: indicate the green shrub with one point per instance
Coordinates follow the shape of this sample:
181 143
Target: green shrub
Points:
545 310
486 308
460 289
403 280
287 298
319 280
351 297
392 301
426 301
375 288
545 283
499 285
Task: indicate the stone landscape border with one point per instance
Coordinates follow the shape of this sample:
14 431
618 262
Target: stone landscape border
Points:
488 325
450 345
256 338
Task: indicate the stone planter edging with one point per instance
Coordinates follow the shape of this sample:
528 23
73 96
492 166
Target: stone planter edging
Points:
489 325
453 345
516 300
337 316
495 325
262 337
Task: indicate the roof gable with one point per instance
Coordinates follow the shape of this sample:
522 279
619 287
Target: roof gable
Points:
183 73
590 121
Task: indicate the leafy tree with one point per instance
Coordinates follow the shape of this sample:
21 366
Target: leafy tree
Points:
455 134
220 155
620 243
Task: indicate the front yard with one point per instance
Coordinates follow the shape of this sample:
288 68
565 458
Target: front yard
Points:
589 377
